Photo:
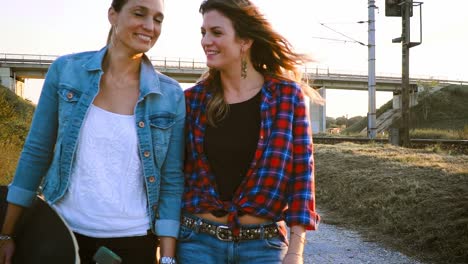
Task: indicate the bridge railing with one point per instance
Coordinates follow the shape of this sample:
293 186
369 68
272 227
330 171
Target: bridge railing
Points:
27 58
192 65
178 63
165 63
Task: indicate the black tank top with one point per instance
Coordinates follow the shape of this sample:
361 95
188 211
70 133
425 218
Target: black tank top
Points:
230 147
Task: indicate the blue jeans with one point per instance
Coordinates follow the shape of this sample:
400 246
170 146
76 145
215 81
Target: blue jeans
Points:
195 247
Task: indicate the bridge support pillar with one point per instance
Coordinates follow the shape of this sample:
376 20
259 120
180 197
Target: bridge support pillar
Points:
9 80
413 98
6 78
318 114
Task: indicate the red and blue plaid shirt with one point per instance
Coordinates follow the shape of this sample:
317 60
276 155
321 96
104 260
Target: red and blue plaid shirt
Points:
279 184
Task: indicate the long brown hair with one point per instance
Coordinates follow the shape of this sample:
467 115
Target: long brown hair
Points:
271 53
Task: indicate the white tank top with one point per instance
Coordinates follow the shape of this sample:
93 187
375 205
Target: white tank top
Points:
106 196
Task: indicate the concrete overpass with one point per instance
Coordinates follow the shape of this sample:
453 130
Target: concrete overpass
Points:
15 68
18 67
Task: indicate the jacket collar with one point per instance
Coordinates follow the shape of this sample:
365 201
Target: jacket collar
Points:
149 80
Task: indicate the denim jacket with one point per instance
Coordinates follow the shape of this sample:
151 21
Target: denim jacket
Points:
70 87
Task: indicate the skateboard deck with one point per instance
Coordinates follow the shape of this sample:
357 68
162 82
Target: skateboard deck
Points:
3 203
44 237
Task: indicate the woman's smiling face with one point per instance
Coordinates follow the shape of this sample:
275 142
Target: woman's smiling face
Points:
138 25
219 41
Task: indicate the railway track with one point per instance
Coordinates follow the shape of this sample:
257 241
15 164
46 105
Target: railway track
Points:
458 146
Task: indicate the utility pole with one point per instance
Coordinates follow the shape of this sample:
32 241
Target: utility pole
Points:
405 45
371 115
404 9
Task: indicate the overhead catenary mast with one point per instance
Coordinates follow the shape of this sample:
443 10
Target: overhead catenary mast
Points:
404 9
371 115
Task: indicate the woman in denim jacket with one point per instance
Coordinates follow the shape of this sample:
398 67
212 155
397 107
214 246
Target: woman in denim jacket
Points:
106 142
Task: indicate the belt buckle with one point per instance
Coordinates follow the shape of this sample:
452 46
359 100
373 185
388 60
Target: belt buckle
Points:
221 228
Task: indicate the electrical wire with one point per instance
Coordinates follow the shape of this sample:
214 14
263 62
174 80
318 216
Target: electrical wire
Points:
346 36
343 22
332 39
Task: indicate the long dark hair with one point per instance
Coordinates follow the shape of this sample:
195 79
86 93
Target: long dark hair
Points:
117 6
271 53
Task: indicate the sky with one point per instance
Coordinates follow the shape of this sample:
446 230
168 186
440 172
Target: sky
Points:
325 30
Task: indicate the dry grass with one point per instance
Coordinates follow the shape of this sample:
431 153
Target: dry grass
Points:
413 200
15 118
9 154
440 133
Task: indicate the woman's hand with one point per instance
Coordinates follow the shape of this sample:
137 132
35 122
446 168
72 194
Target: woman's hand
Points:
7 248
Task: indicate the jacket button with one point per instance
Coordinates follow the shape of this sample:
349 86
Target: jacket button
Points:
151 179
141 124
146 154
69 95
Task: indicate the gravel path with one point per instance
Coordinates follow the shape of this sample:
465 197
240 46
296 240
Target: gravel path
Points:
334 245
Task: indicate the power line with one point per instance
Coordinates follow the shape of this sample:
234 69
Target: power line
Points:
346 36
342 23
346 23
333 39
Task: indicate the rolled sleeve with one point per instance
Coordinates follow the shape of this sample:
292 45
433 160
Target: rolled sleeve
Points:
20 196
169 228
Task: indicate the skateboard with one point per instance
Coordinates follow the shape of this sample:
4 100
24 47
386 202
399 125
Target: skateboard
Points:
43 236
3 203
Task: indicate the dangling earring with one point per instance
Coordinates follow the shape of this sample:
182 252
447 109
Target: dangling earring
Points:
112 36
243 65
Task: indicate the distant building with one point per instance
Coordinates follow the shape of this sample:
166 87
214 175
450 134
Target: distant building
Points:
334 130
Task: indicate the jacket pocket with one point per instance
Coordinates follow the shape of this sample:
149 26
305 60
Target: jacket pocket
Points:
68 97
161 131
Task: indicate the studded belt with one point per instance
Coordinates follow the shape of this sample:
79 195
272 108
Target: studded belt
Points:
224 232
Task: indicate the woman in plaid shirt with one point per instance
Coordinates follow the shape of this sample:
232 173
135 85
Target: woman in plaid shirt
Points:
249 165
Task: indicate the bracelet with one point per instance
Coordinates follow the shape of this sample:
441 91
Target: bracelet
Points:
303 239
292 253
5 237
167 260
